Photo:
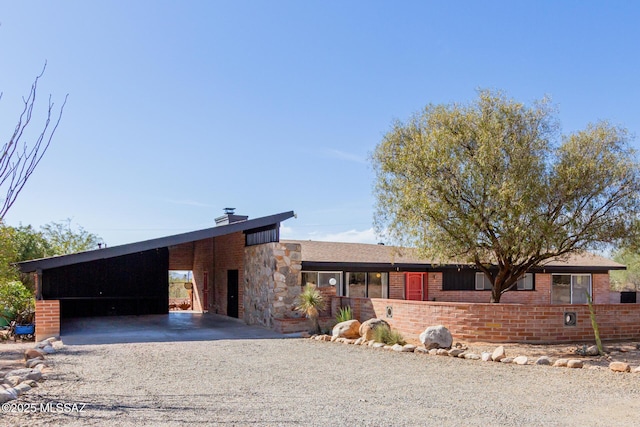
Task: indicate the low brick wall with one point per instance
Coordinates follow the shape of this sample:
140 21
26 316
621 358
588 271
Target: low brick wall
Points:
500 322
47 319
293 325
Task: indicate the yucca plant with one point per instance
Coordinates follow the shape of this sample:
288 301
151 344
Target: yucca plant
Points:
344 314
310 303
388 336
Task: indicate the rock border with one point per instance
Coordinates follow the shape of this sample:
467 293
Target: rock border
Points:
19 381
460 351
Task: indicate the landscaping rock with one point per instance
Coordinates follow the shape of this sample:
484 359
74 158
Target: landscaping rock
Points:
348 341
25 374
543 360
486 356
359 341
31 383
592 351
498 354
367 327
441 352
455 352
33 353
636 370
7 395
561 363
421 350
48 349
506 360
32 363
433 351
521 360
436 337
378 345
387 347
348 329
575 364
397 347
408 348
619 367
462 355
471 356
22 388
12 380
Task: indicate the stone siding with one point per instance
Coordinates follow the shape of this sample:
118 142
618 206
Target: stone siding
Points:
271 282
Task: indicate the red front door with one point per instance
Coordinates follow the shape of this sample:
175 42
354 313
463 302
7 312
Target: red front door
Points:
415 288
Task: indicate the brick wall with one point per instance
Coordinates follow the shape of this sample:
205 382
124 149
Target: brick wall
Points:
203 261
502 322
228 255
396 285
47 319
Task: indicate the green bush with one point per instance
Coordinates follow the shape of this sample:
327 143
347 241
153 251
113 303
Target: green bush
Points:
344 314
387 336
16 302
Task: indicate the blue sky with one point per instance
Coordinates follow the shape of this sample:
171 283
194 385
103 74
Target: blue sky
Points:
178 109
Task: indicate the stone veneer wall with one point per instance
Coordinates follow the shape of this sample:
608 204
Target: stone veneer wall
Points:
271 283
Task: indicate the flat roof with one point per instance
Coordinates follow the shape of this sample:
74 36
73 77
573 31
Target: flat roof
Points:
162 242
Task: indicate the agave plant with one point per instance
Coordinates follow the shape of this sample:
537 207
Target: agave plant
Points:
344 314
310 303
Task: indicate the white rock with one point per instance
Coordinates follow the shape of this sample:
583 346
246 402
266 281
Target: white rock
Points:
436 337
22 388
408 348
521 360
574 363
486 356
378 345
543 360
471 356
455 352
7 395
498 354
397 347
561 363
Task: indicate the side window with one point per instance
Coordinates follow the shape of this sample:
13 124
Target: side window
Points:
482 282
525 283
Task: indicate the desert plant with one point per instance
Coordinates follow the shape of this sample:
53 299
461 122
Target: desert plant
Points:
15 301
310 303
388 336
594 324
344 314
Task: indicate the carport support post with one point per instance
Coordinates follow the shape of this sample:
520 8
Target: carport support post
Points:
37 279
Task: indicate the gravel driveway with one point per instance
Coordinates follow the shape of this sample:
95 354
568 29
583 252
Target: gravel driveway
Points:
298 382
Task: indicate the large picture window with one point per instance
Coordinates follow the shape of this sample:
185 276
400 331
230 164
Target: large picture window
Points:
367 285
570 288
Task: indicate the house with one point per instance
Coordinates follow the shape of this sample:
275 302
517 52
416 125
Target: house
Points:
240 268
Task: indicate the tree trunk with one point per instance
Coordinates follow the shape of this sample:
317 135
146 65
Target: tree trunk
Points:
495 296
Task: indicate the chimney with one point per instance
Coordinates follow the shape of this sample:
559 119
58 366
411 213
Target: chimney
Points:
230 217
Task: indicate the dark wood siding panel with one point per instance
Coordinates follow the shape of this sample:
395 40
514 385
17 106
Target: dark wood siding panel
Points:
130 284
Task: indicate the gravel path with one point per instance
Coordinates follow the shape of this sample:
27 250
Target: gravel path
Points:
297 382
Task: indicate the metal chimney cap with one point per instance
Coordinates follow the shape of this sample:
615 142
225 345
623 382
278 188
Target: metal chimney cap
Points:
229 211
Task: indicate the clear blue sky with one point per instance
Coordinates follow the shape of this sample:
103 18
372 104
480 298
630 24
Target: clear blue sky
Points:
178 109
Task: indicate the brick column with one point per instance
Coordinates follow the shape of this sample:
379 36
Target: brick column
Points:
47 319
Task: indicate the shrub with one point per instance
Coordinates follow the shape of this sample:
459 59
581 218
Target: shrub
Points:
310 303
16 302
344 314
388 336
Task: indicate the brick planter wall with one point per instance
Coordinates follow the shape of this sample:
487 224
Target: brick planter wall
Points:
500 322
47 319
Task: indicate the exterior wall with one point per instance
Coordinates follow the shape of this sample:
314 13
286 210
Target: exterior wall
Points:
228 253
541 294
501 322
203 261
396 285
271 285
181 256
47 319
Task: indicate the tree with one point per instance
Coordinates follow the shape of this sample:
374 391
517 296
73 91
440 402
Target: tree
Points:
628 279
492 184
18 158
63 239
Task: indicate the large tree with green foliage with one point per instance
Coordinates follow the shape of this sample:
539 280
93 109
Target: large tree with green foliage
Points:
64 239
492 183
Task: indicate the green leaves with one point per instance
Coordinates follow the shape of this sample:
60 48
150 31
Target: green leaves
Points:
490 183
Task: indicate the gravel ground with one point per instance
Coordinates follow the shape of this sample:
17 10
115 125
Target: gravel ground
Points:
276 382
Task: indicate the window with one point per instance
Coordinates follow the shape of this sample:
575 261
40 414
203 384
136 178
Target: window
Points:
322 279
367 285
482 282
570 288
525 283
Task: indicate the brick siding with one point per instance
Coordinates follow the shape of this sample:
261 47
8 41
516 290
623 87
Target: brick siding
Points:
47 319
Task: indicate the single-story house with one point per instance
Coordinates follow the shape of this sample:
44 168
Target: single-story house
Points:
242 269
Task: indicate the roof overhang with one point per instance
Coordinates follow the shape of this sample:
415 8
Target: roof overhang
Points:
162 242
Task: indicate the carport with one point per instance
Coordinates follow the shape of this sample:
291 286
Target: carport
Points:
133 279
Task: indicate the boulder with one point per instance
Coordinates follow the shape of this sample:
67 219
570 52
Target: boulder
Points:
575 363
348 329
498 354
543 360
33 353
521 360
619 367
436 337
367 327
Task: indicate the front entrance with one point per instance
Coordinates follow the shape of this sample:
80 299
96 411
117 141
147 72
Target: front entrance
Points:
415 286
232 293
